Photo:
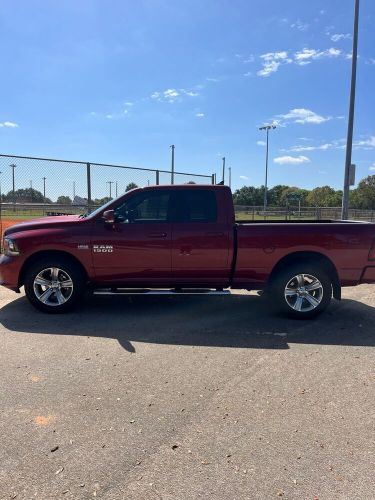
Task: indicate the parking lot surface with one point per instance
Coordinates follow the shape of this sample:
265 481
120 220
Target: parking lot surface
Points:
187 397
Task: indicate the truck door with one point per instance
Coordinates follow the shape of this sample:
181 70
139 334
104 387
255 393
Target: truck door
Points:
136 249
201 239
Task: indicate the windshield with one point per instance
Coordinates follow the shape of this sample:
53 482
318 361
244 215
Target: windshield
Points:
99 209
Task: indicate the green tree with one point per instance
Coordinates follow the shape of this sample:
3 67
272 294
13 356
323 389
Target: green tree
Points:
131 185
324 196
274 195
64 200
249 195
364 195
28 195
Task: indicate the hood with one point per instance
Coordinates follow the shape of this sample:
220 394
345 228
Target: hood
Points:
44 222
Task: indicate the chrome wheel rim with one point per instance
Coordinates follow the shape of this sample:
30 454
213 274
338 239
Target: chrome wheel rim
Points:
53 286
303 293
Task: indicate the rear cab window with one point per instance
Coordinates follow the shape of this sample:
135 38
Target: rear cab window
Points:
195 206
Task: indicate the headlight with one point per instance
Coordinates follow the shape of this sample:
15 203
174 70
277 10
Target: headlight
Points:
10 247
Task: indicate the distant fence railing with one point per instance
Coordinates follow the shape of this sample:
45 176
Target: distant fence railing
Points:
294 213
31 184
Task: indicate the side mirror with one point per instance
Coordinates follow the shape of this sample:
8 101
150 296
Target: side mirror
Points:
109 216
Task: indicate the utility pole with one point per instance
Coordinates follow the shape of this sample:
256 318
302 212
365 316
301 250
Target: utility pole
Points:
110 188
349 140
116 189
74 189
31 190
172 166
267 128
13 166
44 188
223 176
230 177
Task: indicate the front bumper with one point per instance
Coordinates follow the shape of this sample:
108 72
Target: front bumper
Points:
368 275
9 272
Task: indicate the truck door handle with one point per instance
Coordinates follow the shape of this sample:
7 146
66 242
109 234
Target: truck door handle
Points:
214 233
157 235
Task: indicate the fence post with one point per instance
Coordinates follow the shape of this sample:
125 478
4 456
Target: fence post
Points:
157 177
88 170
213 179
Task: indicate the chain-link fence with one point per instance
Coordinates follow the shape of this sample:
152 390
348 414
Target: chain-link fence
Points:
253 213
32 187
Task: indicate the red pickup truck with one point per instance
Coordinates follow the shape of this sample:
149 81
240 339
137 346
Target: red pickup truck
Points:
185 238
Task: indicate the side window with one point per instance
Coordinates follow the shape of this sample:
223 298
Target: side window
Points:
144 208
198 206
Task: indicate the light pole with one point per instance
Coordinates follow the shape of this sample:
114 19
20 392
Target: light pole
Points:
223 176
31 190
349 140
172 166
116 189
110 188
230 177
267 128
13 166
74 189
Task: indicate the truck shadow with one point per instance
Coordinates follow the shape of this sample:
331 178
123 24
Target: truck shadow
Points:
238 321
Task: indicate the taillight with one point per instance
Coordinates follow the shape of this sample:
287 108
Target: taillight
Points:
371 255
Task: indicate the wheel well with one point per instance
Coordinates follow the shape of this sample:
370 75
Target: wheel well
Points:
310 257
48 253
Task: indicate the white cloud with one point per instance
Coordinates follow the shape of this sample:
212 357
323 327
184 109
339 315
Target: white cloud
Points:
369 61
299 25
305 56
261 143
129 104
302 116
244 177
199 115
291 160
271 62
172 95
340 36
365 143
300 149
248 73
9 124
109 117
372 168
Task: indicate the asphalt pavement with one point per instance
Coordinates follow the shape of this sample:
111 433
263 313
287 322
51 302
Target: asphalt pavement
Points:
186 398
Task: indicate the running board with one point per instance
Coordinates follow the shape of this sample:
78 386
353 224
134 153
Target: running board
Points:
137 291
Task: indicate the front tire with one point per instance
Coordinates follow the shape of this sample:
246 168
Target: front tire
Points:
302 291
54 285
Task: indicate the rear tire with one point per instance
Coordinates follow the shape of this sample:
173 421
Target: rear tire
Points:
54 285
302 290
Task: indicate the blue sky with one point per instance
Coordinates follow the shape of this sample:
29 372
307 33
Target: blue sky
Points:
120 81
